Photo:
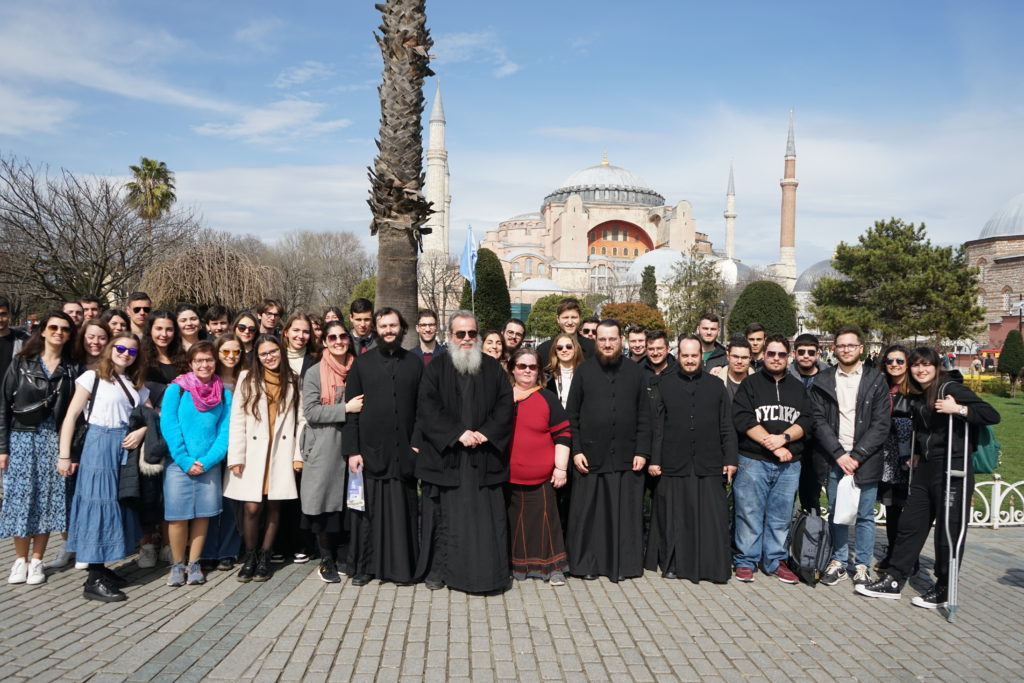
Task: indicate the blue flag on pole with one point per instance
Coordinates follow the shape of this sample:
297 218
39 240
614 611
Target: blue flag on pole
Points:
467 263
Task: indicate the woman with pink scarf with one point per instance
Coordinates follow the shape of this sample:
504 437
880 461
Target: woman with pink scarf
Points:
194 419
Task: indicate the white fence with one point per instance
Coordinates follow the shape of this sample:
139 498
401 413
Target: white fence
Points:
995 504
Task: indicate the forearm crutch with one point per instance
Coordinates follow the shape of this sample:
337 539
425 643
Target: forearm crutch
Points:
953 571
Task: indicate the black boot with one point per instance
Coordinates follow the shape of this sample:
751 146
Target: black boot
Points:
96 588
262 572
245 574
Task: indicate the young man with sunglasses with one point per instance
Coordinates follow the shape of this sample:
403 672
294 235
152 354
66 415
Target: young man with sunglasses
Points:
377 441
464 424
772 414
851 425
428 347
806 367
139 306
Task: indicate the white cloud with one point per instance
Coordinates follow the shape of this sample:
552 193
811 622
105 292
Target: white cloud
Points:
258 33
481 46
23 113
280 120
305 72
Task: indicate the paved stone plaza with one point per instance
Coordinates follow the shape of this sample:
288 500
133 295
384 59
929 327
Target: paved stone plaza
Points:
297 628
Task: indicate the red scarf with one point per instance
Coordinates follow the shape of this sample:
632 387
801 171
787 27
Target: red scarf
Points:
332 377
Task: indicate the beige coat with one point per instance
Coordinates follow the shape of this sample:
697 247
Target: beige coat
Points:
248 444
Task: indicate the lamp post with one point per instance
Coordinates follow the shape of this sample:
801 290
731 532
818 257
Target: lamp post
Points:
800 320
721 328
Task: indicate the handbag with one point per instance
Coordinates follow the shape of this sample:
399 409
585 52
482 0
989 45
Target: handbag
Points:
847 501
82 424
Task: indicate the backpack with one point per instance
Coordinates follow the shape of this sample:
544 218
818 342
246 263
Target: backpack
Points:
985 457
810 546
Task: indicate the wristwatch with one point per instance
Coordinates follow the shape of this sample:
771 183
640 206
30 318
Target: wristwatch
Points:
963 411
786 436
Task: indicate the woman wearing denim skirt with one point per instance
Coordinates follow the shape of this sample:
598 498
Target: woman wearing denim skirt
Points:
194 421
100 529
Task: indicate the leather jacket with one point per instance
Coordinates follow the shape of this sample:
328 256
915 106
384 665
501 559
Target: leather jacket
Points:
26 385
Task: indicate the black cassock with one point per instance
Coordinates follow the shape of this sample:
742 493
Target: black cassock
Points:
694 439
464 537
610 416
385 537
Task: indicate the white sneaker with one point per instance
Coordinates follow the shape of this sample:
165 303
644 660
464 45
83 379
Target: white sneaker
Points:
19 572
147 556
165 555
62 559
81 565
36 575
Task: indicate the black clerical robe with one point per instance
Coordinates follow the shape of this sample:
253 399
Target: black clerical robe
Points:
611 423
464 538
385 536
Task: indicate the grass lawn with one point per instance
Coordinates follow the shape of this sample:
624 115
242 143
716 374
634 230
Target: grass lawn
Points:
1010 432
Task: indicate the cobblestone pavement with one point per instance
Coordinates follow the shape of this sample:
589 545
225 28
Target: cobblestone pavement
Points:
297 628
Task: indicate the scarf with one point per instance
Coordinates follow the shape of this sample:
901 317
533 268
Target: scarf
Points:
205 395
333 375
295 358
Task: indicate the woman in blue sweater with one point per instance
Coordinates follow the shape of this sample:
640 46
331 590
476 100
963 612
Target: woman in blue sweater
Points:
194 420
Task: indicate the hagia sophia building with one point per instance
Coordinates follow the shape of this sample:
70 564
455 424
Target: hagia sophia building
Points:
599 229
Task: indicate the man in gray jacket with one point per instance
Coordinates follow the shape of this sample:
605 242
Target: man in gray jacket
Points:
851 424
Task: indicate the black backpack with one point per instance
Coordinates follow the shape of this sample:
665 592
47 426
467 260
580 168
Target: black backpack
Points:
810 546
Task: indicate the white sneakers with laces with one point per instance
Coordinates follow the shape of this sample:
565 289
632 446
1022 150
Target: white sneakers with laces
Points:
19 572
36 573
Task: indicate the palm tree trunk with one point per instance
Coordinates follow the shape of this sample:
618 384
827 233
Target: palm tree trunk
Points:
396 198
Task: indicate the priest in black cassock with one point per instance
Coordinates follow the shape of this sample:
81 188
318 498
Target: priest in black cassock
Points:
385 536
611 430
693 455
464 422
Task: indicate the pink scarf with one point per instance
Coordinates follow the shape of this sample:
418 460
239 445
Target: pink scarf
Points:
332 377
205 395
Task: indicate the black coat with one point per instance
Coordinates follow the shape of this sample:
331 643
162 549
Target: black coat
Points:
694 434
382 433
26 387
441 418
931 429
610 415
872 421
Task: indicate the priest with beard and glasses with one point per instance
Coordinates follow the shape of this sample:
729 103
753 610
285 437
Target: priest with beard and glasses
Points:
464 423
611 429
385 536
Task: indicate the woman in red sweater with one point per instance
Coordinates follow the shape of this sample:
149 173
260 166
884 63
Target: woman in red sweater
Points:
539 458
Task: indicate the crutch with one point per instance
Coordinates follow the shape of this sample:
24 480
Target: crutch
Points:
953 571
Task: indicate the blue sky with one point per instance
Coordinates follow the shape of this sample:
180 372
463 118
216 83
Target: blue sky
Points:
267 111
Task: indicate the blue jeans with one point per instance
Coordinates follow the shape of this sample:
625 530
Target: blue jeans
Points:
864 538
763 495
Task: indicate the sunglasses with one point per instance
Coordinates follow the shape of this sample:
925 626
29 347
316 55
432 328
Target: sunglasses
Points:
58 328
331 338
141 309
466 334
124 349
564 347
532 367
806 352
895 361
230 353
776 354
251 329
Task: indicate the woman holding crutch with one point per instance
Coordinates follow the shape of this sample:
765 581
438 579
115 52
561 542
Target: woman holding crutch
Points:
944 411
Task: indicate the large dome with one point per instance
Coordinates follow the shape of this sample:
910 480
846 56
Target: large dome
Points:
810 277
607 184
1008 220
663 260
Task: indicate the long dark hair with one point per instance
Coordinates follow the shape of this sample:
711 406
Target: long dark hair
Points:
34 345
200 333
338 323
173 349
903 382
252 384
116 313
927 355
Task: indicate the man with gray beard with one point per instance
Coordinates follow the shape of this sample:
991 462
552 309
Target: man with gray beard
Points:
464 422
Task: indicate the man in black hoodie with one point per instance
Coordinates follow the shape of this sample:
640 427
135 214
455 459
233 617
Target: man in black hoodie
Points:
712 352
772 412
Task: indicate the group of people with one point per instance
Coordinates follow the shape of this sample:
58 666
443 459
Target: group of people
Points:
467 465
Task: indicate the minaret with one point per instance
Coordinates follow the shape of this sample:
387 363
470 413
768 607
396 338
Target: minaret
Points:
436 189
785 269
730 218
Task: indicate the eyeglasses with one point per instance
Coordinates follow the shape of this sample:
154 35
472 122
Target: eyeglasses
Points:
331 338
527 367
427 326
269 354
895 361
517 335
230 353
776 354
847 347
807 352
251 329
466 334
124 349
58 328
564 347
202 361
141 309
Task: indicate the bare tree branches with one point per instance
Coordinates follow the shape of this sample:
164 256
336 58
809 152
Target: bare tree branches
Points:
318 269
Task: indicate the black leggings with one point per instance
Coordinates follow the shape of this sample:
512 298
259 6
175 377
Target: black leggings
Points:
251 523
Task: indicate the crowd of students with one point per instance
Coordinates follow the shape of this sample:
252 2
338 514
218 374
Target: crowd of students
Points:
215 442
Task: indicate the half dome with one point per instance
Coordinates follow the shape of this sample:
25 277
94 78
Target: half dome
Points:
1007 221
810 277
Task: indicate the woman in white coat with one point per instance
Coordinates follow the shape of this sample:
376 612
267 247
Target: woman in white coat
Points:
263 449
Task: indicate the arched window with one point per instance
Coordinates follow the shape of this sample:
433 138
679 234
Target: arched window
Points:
604 234
615 251
1007 294
636 252
540 268
604 250
529 266
982 267
593 250
615 234
517 267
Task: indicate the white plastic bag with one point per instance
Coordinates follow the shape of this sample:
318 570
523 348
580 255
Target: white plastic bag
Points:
355 491
847 501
